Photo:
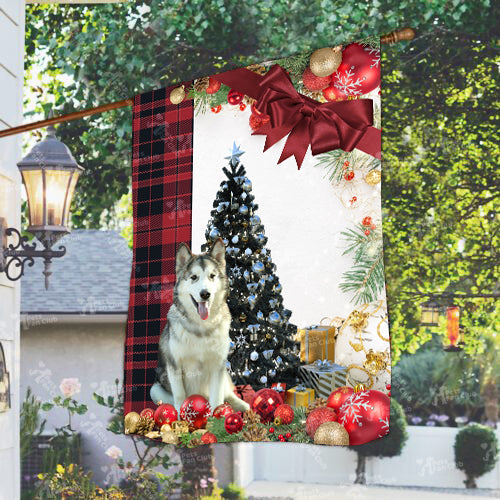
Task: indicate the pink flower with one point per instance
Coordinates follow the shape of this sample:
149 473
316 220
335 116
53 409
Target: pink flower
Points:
114 452
203 483
70 386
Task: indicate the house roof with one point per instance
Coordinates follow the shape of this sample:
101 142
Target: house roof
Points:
92 278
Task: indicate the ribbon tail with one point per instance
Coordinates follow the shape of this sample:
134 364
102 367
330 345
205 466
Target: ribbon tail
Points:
297 143
371 142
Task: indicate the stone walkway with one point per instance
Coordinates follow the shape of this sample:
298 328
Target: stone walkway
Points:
276 490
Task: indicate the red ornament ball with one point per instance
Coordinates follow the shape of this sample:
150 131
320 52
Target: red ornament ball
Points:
332 93
313 82
349 176
317 417
223 410
265 402
281 437
233 423
213 86
234 97
338 397
388 387
365 416
216 109
148 413
165 414
367 221
367 232
208 438
288 435
389 394
257 121
195 411
271 430
243 106
285 413
359 72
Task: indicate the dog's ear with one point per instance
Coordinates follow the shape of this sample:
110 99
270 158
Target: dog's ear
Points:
182 257
218 252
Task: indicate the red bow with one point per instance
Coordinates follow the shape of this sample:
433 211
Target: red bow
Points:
324 126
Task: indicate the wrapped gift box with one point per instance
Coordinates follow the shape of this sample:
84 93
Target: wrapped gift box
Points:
317 342
279 387
299 396
245 392
323 376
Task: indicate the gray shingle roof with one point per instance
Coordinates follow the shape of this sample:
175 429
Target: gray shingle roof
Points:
93 277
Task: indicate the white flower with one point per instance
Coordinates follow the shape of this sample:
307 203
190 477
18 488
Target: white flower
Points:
114 452
70 386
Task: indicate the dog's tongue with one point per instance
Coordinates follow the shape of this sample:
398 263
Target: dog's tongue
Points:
203 310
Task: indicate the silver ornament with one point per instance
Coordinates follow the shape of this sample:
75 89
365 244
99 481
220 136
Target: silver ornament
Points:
273 302
227 223
214 233
246 373
260 316
248 251
274 318
225 241
277 288
243 196
247 185
268 354
263 379
252 287
247 276
262 281
254 355
261 239
243 210
272 373
235 239
278 360
252 299
258 267
255 220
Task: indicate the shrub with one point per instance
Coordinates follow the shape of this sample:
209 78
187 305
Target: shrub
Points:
476 452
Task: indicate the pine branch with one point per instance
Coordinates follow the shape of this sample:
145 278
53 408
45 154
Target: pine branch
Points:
204 102
371 41
295 65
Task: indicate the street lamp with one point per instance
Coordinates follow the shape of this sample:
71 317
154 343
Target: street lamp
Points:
50 173
429 313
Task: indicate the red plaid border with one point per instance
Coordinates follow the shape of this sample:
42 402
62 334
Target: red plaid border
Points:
162 172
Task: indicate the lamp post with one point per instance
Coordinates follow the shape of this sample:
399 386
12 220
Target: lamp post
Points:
429 315
50 173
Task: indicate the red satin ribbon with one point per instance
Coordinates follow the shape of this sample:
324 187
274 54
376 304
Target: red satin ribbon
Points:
323 126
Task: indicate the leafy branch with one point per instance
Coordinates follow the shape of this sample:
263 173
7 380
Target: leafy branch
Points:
366 278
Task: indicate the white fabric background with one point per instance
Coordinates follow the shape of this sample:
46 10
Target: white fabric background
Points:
301 211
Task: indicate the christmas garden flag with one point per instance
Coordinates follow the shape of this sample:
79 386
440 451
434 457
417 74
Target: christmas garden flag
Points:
257 236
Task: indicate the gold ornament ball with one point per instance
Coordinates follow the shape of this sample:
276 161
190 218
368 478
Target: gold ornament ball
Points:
373 178
243 317
331 433
180 427
170 437
177 95
131 420
325 61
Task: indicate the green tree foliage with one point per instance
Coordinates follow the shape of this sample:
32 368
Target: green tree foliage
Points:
476 452
438 107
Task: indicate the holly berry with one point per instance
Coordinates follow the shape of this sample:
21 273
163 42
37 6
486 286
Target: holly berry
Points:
388 387
216 109
389 393
367 221
346 163
213 86
349 176
367 232
271 430
354 198
288 435
373 226
243 106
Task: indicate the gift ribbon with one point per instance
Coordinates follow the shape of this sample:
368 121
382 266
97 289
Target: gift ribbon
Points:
323 365
323 126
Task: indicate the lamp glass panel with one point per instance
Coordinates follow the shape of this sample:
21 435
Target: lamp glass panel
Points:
55 194
71 191
34 191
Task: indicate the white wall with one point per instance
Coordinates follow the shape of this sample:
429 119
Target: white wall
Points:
427 460
11 88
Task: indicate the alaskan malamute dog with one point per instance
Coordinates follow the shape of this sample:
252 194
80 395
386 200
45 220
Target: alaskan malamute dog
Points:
194 345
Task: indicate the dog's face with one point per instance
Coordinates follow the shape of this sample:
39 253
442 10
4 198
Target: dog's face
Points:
201 279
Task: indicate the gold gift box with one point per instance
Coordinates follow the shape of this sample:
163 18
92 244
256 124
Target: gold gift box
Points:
299 396
317 342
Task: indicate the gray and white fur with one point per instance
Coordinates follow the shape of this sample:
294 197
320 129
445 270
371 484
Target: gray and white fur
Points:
194 345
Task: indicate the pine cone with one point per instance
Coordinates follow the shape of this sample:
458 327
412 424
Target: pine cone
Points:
257 68
201 84
251 417
255 433
144 425
195 442
317 403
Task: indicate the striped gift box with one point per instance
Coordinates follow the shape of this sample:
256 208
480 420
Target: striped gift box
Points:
323 376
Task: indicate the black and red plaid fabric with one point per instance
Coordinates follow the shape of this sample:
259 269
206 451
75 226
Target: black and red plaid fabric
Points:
162 172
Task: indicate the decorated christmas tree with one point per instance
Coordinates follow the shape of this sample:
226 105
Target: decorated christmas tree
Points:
262 347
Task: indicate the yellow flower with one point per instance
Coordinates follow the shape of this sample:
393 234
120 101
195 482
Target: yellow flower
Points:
70 468
40 476
60 469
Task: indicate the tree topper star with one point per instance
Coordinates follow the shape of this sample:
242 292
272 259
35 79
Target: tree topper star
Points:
234 154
